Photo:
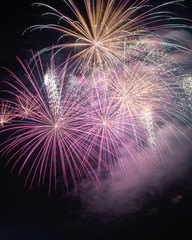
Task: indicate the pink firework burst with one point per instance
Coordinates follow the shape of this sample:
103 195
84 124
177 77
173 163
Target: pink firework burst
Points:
110 132
46 135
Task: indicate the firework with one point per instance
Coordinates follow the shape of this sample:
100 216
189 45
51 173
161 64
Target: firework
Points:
46 134
6 114
25 106
147 90
109 133
102 35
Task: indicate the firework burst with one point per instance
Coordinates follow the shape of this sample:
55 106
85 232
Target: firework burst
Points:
108 132
6 114
104 32
46 134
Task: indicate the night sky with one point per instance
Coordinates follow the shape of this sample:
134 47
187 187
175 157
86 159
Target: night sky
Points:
157 205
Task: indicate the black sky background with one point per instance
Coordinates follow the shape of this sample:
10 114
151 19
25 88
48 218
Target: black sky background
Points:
33 214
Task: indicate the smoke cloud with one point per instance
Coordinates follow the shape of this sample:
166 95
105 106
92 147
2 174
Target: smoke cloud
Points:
129 194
